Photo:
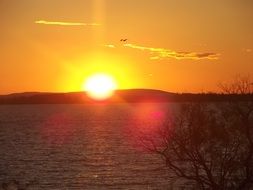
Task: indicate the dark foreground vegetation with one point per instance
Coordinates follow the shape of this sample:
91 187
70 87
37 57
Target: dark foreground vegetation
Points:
209 145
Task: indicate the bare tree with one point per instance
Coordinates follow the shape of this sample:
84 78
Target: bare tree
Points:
210 145
240 114
239 85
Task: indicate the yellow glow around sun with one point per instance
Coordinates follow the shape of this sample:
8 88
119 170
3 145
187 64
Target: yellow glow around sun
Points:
100 86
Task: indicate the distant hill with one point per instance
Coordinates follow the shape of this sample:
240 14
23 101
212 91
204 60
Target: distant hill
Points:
120 96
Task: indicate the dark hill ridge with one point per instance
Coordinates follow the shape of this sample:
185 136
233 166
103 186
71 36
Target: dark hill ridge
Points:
120 96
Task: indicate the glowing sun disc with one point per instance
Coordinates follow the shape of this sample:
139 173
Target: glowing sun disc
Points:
100 86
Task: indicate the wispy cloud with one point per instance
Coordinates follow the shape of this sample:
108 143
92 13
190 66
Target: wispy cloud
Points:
109 46
59 23
162 53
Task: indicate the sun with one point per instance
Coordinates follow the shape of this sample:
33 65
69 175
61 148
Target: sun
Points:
100 86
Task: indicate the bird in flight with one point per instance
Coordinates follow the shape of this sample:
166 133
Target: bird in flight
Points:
123 40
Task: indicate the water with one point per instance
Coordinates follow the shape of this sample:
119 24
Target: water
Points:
81 146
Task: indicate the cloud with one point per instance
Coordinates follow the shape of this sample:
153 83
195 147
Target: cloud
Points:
162 53
59 23
109 45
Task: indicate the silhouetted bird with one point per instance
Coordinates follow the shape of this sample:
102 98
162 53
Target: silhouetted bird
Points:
123 40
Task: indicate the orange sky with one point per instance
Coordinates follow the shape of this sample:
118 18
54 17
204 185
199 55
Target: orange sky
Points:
173 45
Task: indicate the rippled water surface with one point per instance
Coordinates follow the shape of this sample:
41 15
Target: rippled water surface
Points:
80 146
